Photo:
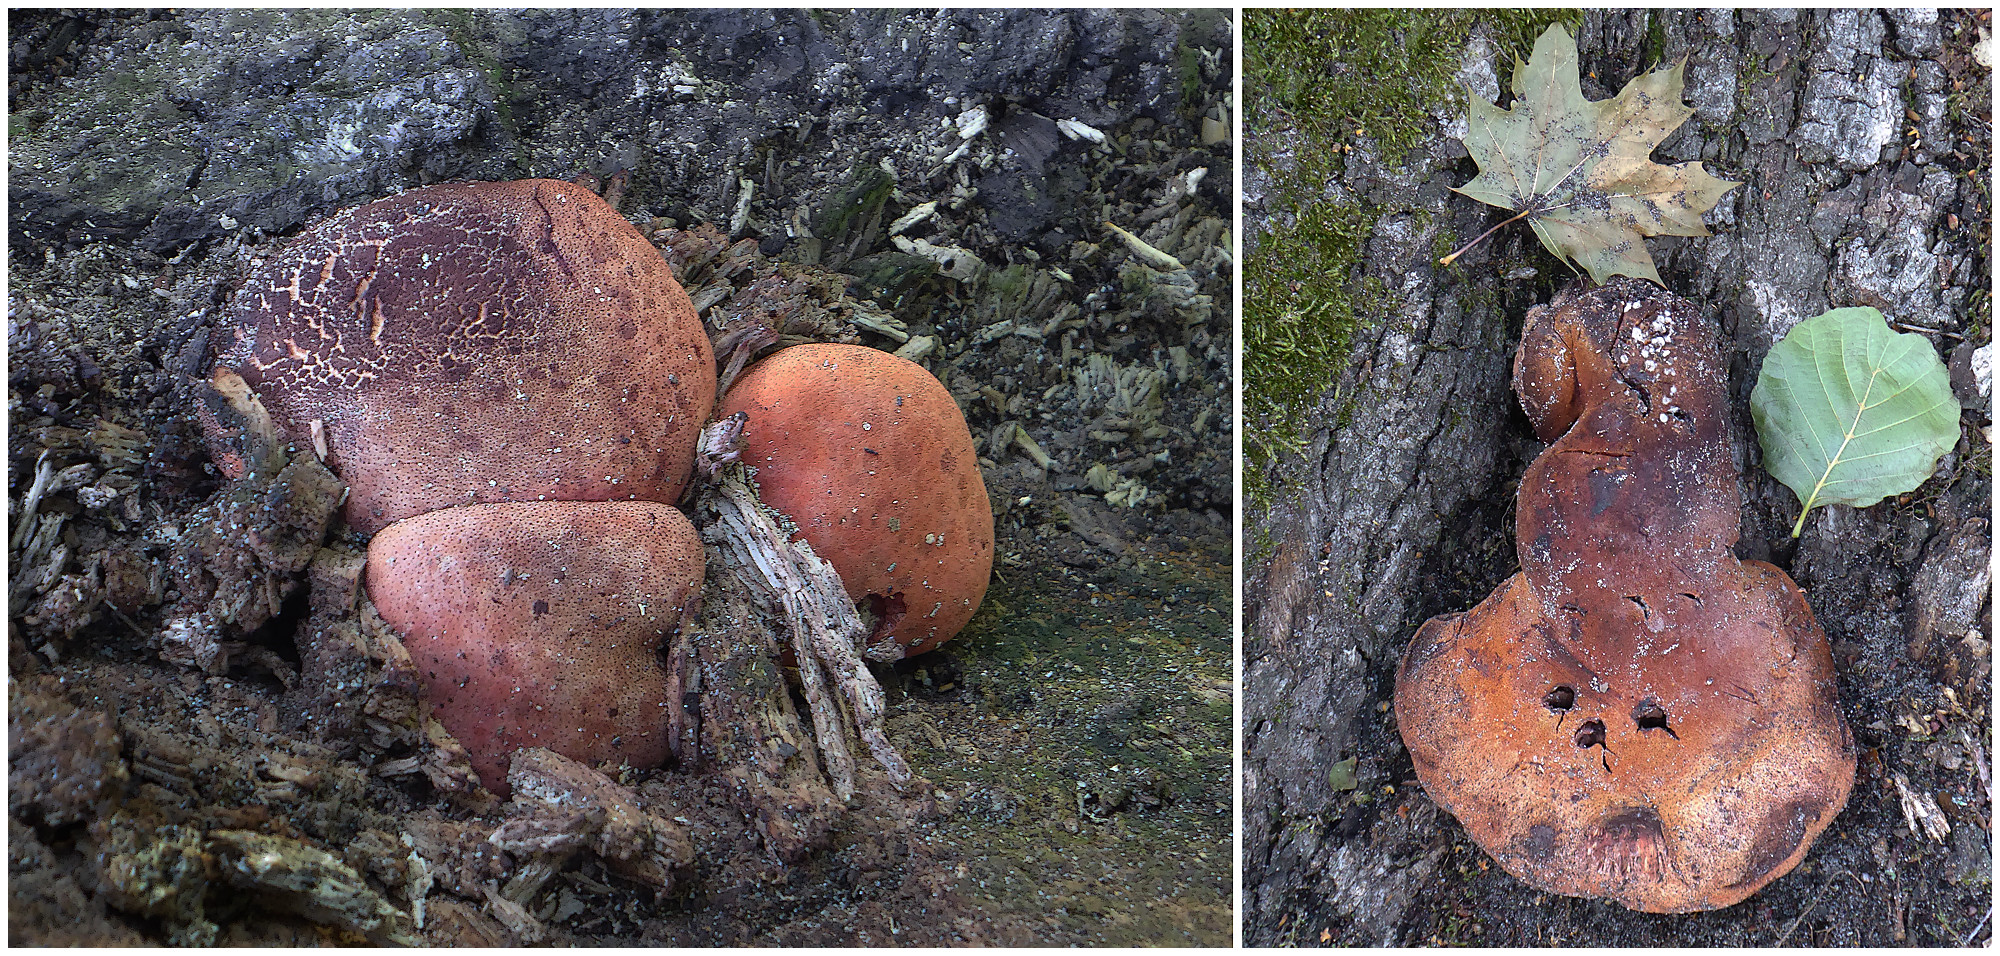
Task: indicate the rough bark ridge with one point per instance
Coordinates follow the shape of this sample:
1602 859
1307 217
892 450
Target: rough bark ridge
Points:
1865 168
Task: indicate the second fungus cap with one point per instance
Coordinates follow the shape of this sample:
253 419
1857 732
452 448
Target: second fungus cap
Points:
539 624
870 457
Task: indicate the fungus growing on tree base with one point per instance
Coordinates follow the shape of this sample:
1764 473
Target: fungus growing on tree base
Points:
870 457
511 383
539 624
1636 715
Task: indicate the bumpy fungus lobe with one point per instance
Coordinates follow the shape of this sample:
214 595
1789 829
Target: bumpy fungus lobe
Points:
497 370
515 341
539 624
1636 715
870 457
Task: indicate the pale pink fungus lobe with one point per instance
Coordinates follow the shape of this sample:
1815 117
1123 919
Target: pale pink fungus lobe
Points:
539 624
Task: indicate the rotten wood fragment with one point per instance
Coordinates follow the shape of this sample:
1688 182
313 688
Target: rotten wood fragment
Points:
242 554
806 595
740 723
561 807
289 876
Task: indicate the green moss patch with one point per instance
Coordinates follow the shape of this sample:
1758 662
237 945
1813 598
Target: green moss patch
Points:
1316 83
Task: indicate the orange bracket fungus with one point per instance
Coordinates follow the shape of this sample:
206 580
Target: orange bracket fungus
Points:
871 459
520 349
1636 715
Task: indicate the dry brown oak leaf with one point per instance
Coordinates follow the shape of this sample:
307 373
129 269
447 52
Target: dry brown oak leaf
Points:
1636 715
1581 172
478 342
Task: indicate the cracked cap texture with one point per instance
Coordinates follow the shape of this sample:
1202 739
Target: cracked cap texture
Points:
481 342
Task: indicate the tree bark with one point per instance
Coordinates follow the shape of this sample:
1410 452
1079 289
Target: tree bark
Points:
1862 139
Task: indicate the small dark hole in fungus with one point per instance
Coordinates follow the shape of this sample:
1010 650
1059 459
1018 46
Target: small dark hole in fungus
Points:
1695 598
1649 715
1644 611
1591 734
1559 700
888 611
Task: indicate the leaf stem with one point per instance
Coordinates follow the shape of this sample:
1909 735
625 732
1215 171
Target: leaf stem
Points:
1447 260
1801 523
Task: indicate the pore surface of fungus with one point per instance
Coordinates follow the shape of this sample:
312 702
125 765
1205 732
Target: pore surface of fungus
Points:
512 341
871 459
1636 715
539 624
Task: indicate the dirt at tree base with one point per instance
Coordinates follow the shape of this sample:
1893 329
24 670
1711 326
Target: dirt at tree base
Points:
1032 837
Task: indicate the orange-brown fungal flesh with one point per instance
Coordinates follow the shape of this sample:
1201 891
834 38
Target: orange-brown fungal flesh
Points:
1636 715
870 457
514 341
539 624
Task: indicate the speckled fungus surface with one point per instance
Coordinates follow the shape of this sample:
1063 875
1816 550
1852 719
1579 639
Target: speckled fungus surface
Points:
539 624
1637 715
870 457
512 384
515 341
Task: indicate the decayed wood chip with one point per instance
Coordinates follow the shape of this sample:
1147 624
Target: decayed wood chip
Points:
290 876
1920 811
826 630
561 806
805 592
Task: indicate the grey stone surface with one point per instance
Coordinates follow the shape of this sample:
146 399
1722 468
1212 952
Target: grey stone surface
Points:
180 130
177 129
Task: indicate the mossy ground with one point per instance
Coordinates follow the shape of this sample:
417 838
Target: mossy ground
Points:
1085 714
1317 84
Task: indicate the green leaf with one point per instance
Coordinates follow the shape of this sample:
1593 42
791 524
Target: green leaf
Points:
1340 776
1582 173
1850 413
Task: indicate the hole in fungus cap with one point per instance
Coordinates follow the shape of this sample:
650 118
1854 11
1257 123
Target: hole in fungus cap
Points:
1630 600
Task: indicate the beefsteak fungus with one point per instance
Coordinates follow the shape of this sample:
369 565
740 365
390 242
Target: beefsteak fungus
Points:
478 342
511 383
870 457
1636 715
539 624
